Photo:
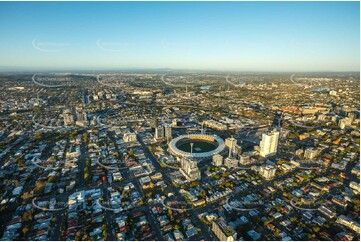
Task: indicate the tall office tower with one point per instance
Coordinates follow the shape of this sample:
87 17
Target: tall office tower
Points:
217 160
168 132
190 169
269 143
238 149
153 123
68 118
159 132
231 144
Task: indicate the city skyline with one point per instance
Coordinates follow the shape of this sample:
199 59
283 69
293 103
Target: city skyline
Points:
237 36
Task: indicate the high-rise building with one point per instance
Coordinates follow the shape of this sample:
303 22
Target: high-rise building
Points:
237 149
130 137
310 153
352 116
231 144
267 171
223 231
153 123
344 122
68 119
159 132
81 116
244 160
168 132
217 160
269 143
190 169
231 162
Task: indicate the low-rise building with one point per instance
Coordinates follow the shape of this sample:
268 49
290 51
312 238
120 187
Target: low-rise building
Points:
342 219
217 160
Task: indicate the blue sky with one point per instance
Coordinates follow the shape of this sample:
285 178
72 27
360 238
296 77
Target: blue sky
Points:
249 36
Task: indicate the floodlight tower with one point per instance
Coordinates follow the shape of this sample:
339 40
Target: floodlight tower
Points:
230 149
202 129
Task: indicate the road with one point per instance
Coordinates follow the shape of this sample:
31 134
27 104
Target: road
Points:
204 229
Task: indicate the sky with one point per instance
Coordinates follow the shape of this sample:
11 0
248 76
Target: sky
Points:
241 36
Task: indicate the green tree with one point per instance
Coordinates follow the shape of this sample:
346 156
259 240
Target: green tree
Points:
86 175
202 193
131 152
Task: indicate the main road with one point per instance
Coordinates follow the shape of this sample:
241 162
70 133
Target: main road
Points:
205 230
